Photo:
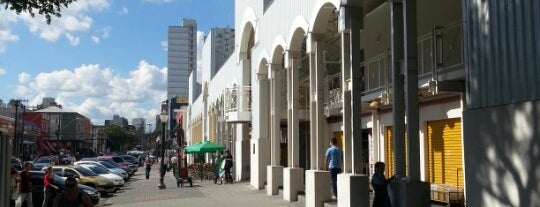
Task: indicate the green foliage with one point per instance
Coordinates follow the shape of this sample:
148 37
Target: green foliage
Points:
119 139
48 8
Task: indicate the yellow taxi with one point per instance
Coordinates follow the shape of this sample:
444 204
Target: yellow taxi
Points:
86 177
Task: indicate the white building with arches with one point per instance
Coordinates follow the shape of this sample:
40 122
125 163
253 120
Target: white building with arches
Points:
391 80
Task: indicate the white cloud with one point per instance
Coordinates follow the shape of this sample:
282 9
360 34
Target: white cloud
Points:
123 10
6 35
97 92
2 71
105 31
165 45
23 77
73 40
95 39
75 18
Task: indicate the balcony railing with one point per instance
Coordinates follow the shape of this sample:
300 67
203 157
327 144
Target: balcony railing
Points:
443 46
237 103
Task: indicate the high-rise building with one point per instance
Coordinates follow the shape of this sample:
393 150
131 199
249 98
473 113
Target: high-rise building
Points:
220 43
181 58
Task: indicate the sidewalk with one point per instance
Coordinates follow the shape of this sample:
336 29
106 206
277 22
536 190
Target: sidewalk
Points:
142 192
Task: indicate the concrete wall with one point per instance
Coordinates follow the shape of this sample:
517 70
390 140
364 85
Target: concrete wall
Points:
502 155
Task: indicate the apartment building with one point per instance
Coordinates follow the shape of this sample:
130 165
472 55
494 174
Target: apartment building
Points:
181 58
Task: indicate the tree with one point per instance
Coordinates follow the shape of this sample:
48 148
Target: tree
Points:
48 8
119 139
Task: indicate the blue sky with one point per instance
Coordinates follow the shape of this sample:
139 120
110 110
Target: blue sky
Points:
102 57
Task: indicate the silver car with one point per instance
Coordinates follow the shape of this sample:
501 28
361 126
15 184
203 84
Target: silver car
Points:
119 171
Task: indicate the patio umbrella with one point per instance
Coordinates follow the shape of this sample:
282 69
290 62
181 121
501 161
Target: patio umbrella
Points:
203 147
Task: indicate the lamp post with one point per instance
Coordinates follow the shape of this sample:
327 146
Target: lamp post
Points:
163 118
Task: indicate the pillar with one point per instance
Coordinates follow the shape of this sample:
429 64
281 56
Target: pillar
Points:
353 187
293 175
407 192
317 178
259 150
275 170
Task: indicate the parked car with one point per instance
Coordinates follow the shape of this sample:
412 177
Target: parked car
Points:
16 163
42 162
131 159
113 168
130 168
87 177
102 171
37 188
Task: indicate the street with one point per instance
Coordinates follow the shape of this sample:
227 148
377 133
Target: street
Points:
141 192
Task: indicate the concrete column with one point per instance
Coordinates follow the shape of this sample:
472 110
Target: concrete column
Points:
318 122
407 192
260 152
411 65
317 188
275 130
242 153
398 94
275 171
353 188
317 179
293 176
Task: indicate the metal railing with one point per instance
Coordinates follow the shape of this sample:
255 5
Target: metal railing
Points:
237 98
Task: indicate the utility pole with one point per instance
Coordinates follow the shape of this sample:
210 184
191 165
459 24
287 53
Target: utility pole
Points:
17 138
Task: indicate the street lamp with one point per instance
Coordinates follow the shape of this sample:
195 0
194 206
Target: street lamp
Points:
163 118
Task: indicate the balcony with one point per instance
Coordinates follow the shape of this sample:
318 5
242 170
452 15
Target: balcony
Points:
440 58
237 104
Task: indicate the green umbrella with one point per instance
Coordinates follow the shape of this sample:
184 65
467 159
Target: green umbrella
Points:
203 147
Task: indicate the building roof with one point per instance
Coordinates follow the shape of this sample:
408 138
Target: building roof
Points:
51 109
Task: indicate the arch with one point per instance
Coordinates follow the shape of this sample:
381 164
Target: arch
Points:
278 49
249 22
321 12
263 67
297 33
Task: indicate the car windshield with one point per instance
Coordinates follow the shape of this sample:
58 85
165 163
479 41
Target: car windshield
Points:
97 169
107 164
129 158
84 171
118 159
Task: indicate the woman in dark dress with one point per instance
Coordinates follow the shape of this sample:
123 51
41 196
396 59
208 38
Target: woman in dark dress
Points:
380 183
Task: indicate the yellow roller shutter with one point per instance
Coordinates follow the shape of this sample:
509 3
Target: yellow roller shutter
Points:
340 141
444 152
390 153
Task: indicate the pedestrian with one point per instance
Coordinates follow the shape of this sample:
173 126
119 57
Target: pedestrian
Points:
228 166
332 161
25 186
174 165
379 183
49 187
148 166
219 169
72 196
13 194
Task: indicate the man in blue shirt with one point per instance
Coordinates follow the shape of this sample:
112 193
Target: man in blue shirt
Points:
332 161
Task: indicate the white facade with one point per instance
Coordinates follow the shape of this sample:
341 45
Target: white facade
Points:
314 70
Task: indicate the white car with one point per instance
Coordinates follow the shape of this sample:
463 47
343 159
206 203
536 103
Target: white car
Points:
116 170
117 180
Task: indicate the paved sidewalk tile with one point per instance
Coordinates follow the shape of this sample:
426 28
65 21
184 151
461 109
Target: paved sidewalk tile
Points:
141 192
